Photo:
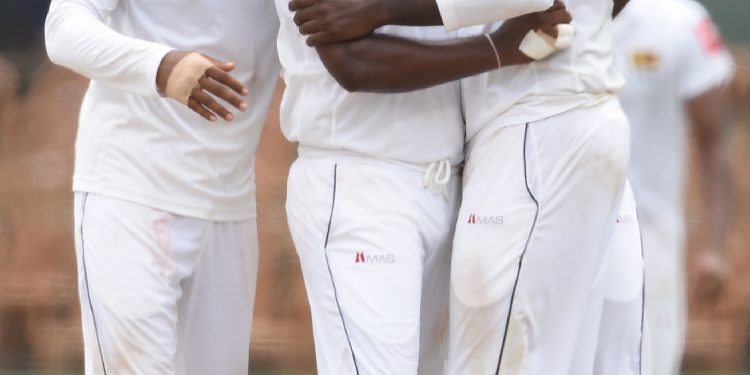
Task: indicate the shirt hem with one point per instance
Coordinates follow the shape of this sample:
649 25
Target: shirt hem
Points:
217 214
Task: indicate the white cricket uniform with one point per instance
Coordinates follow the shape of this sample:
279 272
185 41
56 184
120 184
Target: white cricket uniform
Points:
167 250
670 52
545 172
371 221
623 346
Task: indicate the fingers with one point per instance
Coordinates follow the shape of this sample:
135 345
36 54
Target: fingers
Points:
225 66
227 80
295 5
321 38
199 109
557 4
550 19
208 102
305 15
222 92
557 16
311 27
549 30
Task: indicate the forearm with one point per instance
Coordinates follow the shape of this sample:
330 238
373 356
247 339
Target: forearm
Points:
709 118
77 38
716 176
409 12
387 64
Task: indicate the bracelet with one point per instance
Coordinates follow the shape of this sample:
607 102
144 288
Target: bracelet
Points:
497 54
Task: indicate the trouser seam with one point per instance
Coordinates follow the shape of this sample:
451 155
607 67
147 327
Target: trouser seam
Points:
330 272
88 289
525 248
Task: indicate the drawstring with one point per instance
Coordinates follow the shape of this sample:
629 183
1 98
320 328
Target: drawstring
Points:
436 177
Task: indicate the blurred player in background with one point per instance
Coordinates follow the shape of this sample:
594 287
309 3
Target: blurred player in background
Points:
374 193
164 200
676 66
546 162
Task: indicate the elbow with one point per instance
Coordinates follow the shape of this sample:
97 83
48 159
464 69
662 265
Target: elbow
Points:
350 82
347 71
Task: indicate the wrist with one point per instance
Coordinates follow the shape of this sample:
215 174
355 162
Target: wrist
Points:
163 72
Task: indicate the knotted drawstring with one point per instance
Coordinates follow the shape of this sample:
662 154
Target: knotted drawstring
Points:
437 176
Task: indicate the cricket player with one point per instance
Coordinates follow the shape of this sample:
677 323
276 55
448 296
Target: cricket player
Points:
373 196
165 218
547 153
677 68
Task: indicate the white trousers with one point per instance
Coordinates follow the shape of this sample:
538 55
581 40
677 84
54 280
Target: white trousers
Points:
163 294
623 347
540 202
374 246
665 296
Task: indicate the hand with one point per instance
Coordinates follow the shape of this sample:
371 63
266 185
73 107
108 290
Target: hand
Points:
509 36
709 276
328 21
216 81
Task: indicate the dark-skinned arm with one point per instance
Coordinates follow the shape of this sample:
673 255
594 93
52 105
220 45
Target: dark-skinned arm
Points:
708 117
388 64
328 21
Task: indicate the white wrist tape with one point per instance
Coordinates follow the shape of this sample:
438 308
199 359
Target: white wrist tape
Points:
539 45
185 76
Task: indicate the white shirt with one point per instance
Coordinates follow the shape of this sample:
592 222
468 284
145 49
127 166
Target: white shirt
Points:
581 75
136 146
670 52
418 127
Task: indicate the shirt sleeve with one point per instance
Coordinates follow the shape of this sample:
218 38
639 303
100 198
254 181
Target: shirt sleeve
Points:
464 13
78 38
704 61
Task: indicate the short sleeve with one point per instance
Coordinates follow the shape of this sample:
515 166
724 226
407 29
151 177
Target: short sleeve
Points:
704 61
464 13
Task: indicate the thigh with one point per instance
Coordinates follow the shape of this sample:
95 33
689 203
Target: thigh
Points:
620 343
495 222
128 286
216 309
438 229
361 256
579 163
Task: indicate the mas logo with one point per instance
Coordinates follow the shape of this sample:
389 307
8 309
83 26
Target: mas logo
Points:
365 257
485 220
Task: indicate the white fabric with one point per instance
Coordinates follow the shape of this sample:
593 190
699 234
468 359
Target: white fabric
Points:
161 293
136 146
666 300
463 13
374 247
670 52
569 79
622 346
418 127
539 204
